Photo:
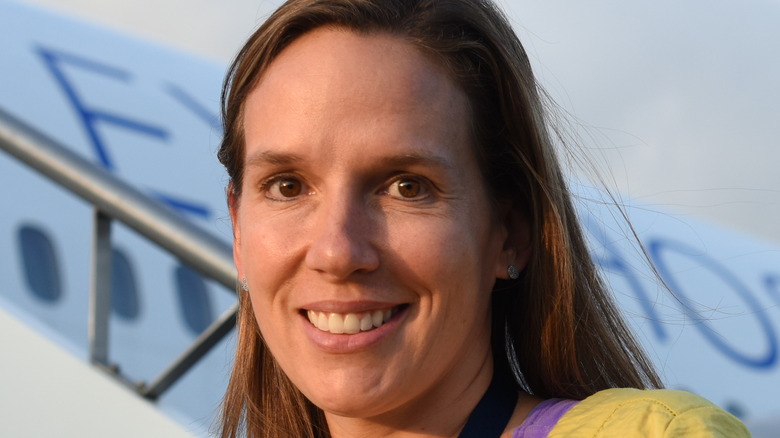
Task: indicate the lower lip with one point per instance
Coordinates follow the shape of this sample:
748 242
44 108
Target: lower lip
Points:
346 343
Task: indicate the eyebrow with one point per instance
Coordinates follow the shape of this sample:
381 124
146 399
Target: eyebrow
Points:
270 157
267 157
415 158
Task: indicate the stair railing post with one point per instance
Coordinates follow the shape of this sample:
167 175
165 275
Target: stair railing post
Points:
100 289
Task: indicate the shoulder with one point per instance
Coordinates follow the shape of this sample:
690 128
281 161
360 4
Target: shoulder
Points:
650 413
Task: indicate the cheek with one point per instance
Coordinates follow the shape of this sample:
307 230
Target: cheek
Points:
267 259
266 242
452 251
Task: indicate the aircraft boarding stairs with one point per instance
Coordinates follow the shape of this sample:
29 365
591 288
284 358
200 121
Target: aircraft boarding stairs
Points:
56 394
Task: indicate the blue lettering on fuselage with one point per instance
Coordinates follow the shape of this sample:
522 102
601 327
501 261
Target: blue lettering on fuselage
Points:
612 260
658 247
57 62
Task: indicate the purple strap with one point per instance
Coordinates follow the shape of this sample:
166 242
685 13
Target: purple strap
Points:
542 418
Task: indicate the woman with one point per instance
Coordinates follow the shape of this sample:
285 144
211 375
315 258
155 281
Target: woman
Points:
409 257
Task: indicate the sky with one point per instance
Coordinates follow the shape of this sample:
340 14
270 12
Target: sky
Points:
676 104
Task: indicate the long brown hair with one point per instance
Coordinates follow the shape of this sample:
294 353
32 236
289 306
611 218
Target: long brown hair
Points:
556 330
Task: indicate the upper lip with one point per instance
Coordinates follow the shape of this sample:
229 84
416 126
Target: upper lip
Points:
335 306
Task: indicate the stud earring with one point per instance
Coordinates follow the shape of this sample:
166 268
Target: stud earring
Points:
244 286
513 272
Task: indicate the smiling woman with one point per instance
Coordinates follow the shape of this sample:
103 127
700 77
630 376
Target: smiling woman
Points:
362 202
411 263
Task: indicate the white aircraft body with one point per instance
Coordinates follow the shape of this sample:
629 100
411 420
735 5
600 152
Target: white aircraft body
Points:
149 116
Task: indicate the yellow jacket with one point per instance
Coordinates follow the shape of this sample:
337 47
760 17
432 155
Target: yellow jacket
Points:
622 413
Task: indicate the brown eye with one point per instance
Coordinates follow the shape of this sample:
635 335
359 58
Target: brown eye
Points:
406 188
284 189
409 189
289 188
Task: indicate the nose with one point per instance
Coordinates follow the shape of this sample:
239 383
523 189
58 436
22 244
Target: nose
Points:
344 240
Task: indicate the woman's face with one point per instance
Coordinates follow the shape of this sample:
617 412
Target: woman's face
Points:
364 228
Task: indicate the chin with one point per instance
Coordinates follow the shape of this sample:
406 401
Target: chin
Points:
352 397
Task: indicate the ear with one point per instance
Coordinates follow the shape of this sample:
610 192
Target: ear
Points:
516 248
232 199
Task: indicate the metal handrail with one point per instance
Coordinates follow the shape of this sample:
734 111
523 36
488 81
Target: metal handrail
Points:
113 199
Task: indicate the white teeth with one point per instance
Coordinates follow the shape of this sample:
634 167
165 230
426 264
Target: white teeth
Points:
366 322
349 323
377 318
322 322
335 323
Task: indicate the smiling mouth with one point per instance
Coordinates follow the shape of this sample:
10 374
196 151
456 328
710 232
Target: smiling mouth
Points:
351 323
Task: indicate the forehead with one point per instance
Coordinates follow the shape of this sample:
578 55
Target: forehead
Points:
336 49
375 71
336 97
